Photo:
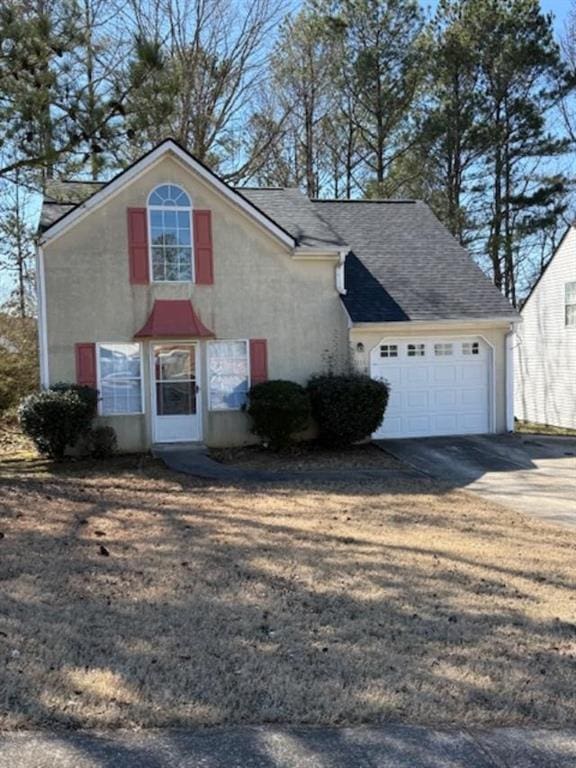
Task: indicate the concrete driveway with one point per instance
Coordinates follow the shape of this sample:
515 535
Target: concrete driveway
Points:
533 474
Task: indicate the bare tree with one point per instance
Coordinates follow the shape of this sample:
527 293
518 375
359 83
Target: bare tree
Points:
17 246
214 54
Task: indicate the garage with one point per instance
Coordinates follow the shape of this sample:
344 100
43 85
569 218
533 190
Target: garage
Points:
438 386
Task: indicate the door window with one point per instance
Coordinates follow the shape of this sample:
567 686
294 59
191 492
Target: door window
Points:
175 374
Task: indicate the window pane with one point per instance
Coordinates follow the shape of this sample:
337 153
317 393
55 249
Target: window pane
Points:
170 219
120 374
175 364
169 195
183 237
228 374
175 398
442 350
570 293
156 219
571 316
183 219
471 348
158 271
171 239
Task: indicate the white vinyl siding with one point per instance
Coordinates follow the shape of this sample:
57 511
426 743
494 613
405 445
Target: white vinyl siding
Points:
545 367
570 298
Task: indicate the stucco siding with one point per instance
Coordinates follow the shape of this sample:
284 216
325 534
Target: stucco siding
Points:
546 349
495 337
259 291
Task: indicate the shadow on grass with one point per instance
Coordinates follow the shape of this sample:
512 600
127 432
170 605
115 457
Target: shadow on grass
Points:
312 604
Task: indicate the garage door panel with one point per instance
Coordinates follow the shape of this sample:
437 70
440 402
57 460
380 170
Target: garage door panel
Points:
444 399
471 373
393 425
473 423
444 393
416 425
418 399
445 374
392 376
472 396
417 374
445 424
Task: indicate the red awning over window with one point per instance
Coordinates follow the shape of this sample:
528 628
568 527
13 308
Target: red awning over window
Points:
173 319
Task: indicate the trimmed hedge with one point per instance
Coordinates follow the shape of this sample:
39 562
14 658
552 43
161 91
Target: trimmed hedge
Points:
347 408
278 410
87 394
57 417
103 442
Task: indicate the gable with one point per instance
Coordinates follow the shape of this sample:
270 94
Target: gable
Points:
194 173
561 268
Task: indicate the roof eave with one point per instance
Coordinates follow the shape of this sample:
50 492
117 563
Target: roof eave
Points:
465 322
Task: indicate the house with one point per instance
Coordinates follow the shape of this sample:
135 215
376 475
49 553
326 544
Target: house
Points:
546 343
173 292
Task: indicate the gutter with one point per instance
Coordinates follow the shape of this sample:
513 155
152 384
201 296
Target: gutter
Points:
465 323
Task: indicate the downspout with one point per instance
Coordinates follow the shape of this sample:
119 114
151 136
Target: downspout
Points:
42 329
340 277
510 346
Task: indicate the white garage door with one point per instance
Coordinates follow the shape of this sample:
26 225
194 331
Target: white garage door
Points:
438 386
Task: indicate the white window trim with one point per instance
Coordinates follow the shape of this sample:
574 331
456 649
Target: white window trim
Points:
568 326
99 387
149 233
229 341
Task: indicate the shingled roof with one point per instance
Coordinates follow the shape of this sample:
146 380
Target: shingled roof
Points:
407 265
402 263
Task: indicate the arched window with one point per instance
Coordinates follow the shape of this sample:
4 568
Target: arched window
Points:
169 211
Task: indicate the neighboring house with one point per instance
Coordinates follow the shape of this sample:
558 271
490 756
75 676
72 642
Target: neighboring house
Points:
173 293
546 343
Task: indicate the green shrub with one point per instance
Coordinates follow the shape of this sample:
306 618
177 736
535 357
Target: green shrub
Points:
103 442
55 419
278 410
87 394
347 408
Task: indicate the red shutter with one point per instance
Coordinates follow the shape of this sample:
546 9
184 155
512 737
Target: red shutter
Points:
138 246
258 361
203 259
86 364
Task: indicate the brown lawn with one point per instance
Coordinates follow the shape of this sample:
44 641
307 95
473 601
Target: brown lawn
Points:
301 604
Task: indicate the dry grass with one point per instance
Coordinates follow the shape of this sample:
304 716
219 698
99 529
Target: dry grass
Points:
13 443
306 456
302 604
530 428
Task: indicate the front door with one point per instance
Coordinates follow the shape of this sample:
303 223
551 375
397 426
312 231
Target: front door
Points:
177 417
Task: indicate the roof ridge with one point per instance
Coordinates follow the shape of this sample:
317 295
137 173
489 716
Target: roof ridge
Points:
373 200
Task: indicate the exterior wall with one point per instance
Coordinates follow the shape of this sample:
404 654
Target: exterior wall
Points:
495 336
546 348
259 291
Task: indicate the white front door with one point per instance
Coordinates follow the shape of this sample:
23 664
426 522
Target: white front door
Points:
438 386
175 393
